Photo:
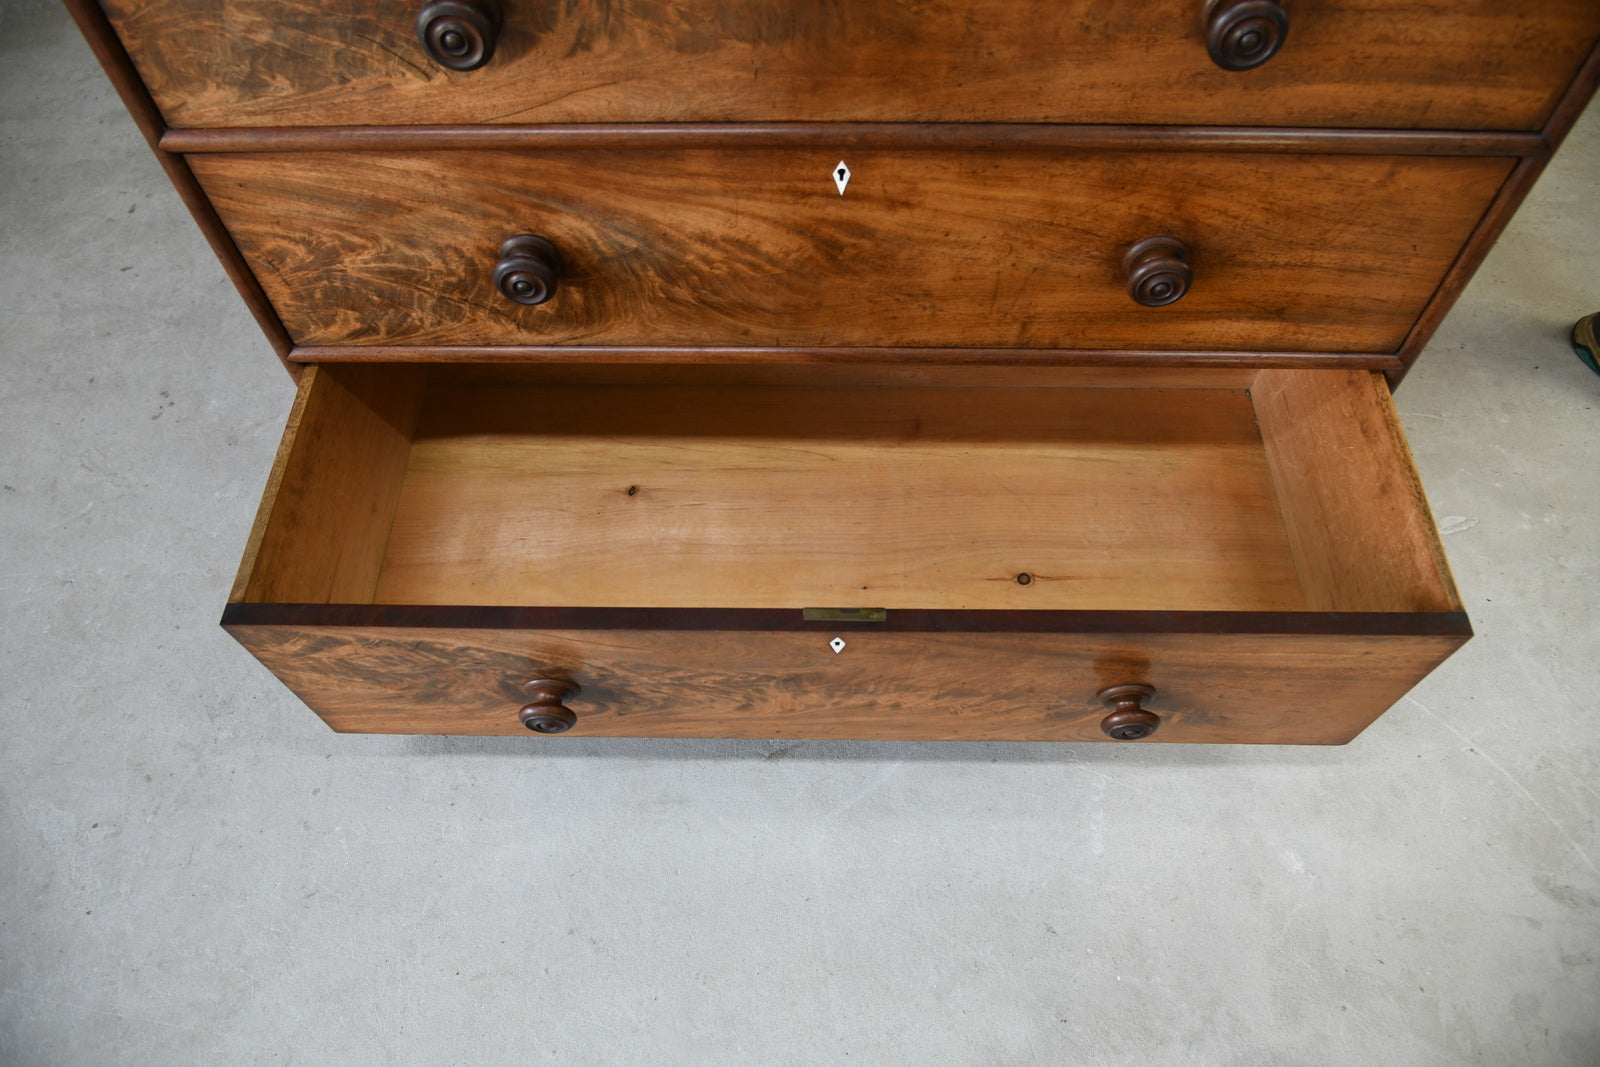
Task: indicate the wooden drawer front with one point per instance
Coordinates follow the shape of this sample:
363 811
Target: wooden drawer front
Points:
1253 544
924 248
1468 64
1240 689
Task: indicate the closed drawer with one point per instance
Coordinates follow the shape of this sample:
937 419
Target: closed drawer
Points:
1252 546
1471 64
1003 248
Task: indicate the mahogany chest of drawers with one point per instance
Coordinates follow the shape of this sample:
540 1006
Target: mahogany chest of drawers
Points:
989 370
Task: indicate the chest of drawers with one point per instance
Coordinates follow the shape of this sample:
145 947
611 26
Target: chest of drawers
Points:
897 370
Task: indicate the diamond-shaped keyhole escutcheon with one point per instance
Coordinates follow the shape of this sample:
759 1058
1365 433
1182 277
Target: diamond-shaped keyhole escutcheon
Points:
841 176
837 644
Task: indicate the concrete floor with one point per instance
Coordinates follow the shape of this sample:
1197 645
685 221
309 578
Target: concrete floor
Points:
194 870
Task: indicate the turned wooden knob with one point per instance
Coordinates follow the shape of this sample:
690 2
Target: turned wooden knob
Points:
1158 271
1128 721
527 269
547 712
1241 34
459 34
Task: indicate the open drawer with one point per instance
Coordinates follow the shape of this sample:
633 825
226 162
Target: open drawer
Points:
1051 554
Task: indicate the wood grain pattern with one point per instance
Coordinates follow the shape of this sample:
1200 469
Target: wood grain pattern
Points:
925 249
1467 64
326 512
835 497
1363 536
1210 688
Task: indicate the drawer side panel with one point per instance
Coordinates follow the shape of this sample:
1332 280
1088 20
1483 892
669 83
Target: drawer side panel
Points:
1353 506
320 533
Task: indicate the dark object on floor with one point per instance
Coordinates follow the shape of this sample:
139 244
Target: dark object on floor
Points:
1583 341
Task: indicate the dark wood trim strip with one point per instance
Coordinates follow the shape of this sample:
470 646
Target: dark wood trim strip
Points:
119 68
736 355
858 136
426 616
1500 211
1467 261
1573 101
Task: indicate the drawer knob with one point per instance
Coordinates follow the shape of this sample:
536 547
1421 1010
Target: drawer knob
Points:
527 269
1128 721
1158 271
547 712
459 34
1241 34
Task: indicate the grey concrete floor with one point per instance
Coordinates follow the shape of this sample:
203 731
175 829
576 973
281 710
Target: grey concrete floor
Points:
194 870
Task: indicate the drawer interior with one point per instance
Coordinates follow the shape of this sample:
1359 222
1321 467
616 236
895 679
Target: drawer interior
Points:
1068 489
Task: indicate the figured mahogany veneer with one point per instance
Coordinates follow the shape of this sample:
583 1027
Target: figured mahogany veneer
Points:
622 416
928 248
655 544
1232 688
1462 64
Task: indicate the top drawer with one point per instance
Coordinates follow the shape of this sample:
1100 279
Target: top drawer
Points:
1438 64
